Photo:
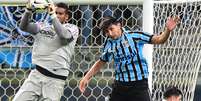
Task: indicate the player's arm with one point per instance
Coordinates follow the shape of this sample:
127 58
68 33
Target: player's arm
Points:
25 24
106 56
62 32
94 69
170 25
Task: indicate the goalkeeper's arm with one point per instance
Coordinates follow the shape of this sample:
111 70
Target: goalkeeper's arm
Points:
26 25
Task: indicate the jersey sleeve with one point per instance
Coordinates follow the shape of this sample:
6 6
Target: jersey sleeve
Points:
142 37
26 25
61 31
107 53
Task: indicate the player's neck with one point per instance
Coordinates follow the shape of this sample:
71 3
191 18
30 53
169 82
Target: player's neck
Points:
118 35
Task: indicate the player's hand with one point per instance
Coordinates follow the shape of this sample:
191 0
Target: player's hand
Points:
83 83
51 9
172 22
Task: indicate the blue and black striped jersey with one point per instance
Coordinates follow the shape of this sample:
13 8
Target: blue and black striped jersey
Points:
126 51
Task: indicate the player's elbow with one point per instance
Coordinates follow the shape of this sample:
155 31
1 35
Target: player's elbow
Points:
161 41
158 40
23 28
65 41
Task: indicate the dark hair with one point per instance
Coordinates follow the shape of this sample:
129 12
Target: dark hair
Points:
106 22
172 91
63 5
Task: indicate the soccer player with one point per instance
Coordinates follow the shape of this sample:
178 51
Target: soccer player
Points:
52 49
131 68
172 94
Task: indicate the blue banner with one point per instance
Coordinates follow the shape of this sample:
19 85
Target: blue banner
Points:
15 44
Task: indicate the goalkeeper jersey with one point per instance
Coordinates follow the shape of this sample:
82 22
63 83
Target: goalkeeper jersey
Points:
53 47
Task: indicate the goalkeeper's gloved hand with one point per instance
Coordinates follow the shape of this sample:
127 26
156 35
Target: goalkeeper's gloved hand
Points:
29 6
52 10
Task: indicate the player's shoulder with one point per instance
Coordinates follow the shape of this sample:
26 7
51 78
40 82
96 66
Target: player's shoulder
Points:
136 32
128 31
71 26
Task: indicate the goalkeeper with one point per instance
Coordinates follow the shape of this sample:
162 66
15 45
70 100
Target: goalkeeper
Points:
131 69
53 47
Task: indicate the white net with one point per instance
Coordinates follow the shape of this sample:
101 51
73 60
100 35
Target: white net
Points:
15 51
176 63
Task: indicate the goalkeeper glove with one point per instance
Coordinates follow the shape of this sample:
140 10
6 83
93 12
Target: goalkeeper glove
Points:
29 6
52 10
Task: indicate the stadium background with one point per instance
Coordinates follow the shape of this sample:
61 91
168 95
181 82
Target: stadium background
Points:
15 51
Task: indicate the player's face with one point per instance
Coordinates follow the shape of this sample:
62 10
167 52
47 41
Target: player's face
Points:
61 14
178 98
114 31
174 98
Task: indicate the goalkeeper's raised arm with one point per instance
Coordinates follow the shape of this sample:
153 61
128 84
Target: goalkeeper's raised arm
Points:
26 24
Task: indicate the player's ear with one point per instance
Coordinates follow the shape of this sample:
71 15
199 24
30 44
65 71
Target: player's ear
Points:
67 17
119 24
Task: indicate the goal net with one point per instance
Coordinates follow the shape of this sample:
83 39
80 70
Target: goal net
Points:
174 63
177 62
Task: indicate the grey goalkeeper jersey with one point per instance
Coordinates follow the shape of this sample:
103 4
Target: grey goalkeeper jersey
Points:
54 44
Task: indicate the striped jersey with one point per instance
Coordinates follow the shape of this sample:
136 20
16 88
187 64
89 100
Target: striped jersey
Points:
126 51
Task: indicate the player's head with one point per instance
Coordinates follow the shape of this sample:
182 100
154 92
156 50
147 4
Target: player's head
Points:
172 94
111 27
62 12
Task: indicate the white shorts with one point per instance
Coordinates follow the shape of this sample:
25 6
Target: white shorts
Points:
38 87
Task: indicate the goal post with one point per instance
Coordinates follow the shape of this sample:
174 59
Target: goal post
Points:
148 27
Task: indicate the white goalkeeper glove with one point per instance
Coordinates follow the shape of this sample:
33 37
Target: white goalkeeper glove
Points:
29 6
52 10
